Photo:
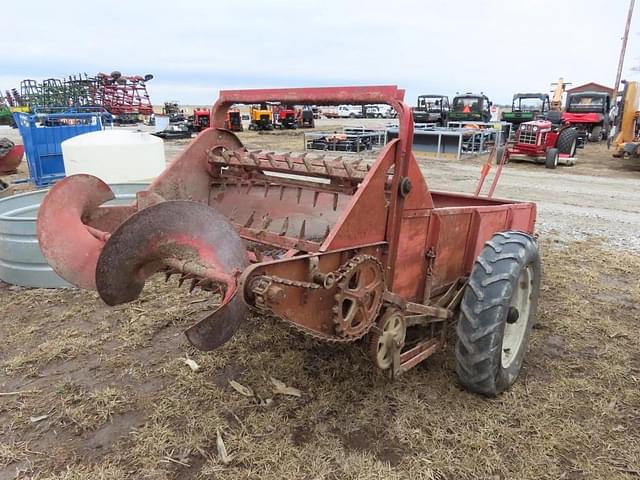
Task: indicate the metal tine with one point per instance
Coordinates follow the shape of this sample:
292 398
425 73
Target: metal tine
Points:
316 194
266 189
287 158
184 277
254 156
326 233
248 223
347 169
266 221
302 229
194 284
270 158
327 167
232 215
204 284
335 201
285 227
307 163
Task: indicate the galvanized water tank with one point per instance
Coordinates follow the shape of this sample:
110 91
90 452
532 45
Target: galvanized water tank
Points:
21 261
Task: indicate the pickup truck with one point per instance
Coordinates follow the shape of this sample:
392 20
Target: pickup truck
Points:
349 111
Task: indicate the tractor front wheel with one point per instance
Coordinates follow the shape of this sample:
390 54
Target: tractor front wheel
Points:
497 313
568 141
596 134
551 160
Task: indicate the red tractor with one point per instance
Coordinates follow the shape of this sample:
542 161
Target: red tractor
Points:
284 116
233 120
542 141
201 119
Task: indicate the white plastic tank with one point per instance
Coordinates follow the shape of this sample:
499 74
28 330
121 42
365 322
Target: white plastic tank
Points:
115 156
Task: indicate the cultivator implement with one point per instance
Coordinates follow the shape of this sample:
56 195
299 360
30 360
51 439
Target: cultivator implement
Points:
339 248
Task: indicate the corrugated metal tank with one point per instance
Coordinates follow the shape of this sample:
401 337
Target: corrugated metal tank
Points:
21 261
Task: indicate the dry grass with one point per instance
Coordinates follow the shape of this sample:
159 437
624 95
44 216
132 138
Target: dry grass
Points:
122 404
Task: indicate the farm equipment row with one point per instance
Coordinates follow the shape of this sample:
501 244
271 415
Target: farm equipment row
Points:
586 111
435 109
267 116
125 97
338 250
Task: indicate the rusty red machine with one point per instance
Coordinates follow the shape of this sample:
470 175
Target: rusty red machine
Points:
341 250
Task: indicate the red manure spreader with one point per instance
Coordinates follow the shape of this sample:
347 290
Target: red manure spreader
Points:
347 252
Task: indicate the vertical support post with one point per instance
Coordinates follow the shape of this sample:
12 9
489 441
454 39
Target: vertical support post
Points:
623 50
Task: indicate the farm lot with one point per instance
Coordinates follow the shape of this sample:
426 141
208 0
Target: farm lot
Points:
97 392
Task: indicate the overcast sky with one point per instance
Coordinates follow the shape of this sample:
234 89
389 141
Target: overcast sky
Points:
194 48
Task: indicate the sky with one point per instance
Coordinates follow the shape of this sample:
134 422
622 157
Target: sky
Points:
196 47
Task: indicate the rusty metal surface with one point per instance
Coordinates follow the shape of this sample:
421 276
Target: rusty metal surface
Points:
188 236
71 249
303 300
215 329
9 162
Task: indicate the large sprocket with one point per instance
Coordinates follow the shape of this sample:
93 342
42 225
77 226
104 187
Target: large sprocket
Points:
359 296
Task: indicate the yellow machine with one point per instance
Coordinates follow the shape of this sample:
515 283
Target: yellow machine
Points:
261 117
558 92
626 138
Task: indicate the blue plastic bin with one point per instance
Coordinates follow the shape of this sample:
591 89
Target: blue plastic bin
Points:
42 135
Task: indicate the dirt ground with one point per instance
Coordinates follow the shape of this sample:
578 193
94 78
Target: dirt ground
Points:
94 392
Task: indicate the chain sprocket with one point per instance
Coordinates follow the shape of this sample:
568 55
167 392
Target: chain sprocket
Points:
359 296
262 283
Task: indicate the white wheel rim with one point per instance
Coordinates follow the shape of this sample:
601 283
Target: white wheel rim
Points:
514 333
393 325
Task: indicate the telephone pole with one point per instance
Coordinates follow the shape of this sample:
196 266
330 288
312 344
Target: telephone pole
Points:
623 50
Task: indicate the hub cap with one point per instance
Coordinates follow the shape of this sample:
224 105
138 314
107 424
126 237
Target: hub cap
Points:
391 335
514 333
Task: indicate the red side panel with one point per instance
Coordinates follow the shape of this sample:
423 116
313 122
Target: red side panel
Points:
449 234
582 117
364 221
410 269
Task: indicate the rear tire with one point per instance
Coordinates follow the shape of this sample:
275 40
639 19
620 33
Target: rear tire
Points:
497 313
551 160
568 141
596 134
